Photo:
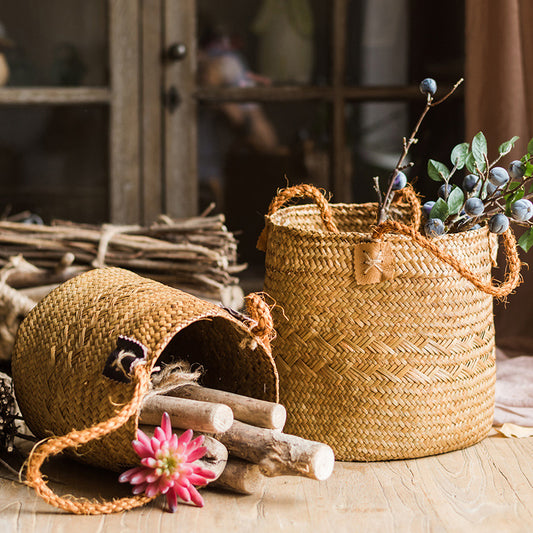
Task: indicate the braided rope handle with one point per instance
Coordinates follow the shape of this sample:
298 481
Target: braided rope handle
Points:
75 438
259 312
500 290
299 191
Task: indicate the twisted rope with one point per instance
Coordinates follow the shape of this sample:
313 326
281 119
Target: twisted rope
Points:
512 278
75 438
259 311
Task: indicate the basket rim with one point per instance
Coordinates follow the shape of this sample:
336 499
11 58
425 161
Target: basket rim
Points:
355 236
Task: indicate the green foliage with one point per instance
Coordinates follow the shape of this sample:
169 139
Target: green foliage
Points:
455 201
440 210
459 155
479 151
471 163
530 147
437 171
526 240
506 147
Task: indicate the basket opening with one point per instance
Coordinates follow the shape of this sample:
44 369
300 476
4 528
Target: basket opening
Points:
227 355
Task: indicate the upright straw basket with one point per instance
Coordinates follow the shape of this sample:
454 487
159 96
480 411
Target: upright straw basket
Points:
66 346
385 339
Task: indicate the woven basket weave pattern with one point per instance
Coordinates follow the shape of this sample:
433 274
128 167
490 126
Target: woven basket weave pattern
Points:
403 368
63 344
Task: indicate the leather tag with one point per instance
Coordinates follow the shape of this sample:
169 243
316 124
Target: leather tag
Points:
373 262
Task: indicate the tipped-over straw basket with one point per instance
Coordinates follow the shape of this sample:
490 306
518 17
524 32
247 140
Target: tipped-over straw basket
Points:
73 384
385 339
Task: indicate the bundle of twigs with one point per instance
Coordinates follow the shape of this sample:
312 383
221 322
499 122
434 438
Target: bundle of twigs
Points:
196 254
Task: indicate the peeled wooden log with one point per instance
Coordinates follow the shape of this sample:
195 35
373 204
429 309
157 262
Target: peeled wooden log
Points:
278 454
241 477
216 455
204 417
250 410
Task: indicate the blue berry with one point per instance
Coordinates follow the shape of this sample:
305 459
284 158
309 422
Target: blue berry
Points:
522 210
400 181
498 176
471 182
474 207
428 86
517 169
427 207
498 223
434 227
493 190
474 227
444 190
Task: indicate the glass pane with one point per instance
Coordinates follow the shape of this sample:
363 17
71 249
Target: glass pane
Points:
54 162
377 42
247 151
55 43
264 41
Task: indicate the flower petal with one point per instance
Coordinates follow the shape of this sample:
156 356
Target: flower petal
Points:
166 425
141 477
196 454
196 479
198 441
160 435
141 449
149 462
155 444
128 474
195 496
183 493
139 489
204 472
185 437
143 437
172 500
151 490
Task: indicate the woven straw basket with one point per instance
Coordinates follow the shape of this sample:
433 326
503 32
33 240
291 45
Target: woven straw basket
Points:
384 350
63 345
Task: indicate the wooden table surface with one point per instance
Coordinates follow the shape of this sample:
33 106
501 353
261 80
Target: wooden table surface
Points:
485 488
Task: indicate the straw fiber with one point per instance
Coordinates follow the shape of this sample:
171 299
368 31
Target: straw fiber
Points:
401 368
64 342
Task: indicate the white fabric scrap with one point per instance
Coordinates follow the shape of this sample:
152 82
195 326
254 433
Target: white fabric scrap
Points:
514 395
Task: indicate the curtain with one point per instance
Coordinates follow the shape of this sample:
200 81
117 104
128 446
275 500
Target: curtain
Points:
499 102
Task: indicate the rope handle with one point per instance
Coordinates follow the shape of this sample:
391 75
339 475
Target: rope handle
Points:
305 191
500 290
259 312
299 191
55 445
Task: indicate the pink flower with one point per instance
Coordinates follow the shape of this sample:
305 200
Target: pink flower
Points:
168 465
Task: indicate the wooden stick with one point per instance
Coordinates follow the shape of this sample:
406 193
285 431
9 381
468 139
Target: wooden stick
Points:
198 416
241 477
216 455
255 412
278 454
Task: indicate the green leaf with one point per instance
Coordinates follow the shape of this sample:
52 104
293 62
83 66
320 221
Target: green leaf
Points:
459 155
516 192
529 170
506 147
455 200
530 147
470 163
437 171
526 240
440 210
479 149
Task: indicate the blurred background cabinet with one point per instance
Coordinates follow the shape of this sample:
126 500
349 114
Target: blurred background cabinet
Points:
119 110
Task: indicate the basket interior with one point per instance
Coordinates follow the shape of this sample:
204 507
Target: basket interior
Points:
226 355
